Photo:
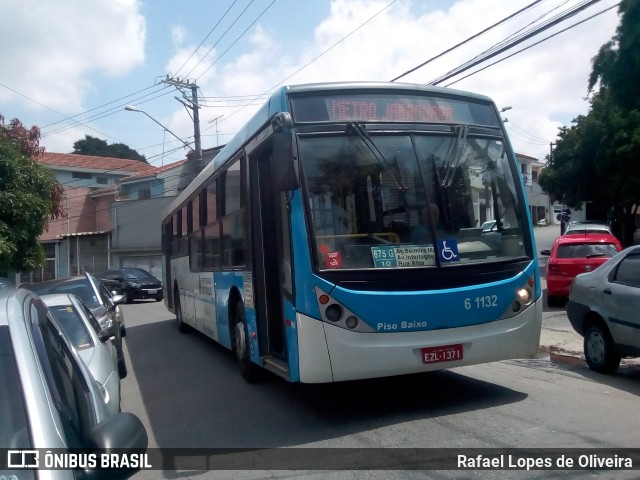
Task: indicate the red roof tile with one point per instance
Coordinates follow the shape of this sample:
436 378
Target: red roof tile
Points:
155 172
105 164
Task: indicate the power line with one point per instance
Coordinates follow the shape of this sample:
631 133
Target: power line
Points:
496 51
204 39
534 44
467 40
257 97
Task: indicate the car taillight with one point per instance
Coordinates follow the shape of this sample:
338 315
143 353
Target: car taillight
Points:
553 268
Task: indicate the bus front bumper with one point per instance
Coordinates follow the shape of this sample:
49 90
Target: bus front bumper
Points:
346 355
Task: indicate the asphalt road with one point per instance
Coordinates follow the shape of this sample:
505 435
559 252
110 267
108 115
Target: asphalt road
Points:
189 393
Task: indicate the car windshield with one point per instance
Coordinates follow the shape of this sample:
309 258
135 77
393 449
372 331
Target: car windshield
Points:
370 195
73 326
136 274
587 250
80 287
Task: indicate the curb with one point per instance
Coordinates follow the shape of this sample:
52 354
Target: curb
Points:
558 356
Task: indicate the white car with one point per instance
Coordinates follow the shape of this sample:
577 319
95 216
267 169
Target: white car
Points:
95 345
603 307
581 228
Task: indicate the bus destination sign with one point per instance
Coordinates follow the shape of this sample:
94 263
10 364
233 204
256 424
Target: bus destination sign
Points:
391 108
391 111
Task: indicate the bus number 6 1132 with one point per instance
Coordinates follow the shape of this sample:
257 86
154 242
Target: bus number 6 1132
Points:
486 301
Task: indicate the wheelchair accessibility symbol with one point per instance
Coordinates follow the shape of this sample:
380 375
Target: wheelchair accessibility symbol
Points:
448 250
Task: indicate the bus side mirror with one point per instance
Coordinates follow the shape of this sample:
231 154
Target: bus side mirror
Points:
284 174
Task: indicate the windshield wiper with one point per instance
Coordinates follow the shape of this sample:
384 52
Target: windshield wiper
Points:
359 130
454 154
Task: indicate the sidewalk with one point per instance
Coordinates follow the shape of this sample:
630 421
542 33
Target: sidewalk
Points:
566 346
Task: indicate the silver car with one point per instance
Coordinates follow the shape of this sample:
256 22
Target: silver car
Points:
586 227
49 399
95 345
94 295
603 307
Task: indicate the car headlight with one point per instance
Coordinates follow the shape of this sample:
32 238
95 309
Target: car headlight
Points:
135 285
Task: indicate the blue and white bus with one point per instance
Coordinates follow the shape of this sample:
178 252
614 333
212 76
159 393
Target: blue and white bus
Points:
304 247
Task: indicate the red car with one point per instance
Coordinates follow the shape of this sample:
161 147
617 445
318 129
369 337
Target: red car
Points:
572 255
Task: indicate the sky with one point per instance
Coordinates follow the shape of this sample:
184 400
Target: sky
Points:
70 67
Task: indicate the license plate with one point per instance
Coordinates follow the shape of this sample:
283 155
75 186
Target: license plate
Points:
151 292
443 353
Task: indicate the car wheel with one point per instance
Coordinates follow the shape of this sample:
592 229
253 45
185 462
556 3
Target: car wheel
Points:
182 327
249 370
553 300
128 298
158 299
123 330
599 351
122 368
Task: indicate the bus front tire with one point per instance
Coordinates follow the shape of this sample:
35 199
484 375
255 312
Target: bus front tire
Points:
249 370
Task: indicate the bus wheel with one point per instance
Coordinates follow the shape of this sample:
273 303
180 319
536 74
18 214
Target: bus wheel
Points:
248 369
182 327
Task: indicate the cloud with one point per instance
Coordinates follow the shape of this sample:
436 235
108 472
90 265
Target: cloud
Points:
48 49
545 84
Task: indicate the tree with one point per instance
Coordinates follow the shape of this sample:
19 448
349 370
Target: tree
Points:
596 158
99 148
29 196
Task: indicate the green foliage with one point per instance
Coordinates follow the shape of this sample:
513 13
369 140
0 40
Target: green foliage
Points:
99 148
596 158
29 195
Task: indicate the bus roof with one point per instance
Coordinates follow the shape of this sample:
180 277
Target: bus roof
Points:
278 103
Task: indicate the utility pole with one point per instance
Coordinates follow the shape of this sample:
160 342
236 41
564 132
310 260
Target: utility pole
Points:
190 104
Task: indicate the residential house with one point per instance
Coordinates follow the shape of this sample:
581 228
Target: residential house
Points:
113 212
539 202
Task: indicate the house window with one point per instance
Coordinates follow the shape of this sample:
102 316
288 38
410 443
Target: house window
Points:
102 180
83 175
144 193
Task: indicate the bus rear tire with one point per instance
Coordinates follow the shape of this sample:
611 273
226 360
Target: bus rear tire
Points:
182 327
249 370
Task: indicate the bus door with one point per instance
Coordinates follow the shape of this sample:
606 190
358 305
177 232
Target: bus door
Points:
271 260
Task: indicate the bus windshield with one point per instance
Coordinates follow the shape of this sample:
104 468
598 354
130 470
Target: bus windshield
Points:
410 200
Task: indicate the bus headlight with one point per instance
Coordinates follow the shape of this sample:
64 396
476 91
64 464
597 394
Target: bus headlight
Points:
522 299
336 314
524 295
333 312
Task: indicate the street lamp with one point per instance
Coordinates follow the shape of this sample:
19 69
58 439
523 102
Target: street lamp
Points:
504 109
131 108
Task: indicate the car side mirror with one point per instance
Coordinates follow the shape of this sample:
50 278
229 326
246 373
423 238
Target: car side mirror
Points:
545 252
117 299
122 431
107 333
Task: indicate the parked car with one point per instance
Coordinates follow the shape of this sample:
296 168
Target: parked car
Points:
492 226
94 295
572 255
583 228
603 307
94 345
49 399
132 283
